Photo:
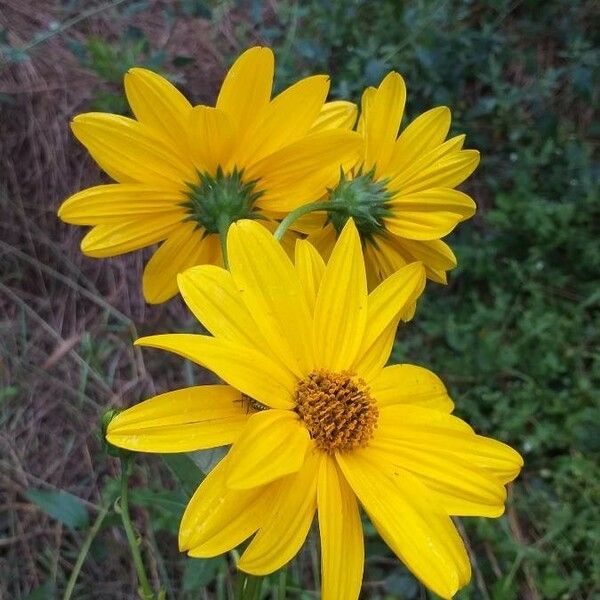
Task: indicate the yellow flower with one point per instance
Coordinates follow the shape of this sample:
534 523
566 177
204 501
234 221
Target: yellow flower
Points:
317 422
401 192
186 173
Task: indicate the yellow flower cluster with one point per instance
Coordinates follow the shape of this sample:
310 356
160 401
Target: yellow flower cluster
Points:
299 242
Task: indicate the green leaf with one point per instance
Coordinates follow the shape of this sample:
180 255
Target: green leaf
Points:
199 572
185 470
45 591
60 505
402 585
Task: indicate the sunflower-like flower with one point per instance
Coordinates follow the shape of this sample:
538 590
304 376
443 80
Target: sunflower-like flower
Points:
317 422
186 173
401 191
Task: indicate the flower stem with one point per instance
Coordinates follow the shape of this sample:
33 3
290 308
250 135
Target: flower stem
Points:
300 212
93 532
145 588
223 229
282 584
248 587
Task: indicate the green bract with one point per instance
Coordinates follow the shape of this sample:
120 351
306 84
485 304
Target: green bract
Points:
363 199
217 201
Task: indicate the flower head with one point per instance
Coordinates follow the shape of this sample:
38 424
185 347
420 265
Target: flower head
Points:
400 192
316 420
185 173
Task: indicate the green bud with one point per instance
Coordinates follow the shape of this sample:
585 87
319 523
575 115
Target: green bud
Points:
215 202
109 448
363 199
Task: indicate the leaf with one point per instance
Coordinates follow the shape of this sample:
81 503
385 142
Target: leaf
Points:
60 505
402 585
166 507
45 591
200 572
185 470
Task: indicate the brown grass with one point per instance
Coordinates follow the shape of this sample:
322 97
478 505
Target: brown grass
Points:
67 321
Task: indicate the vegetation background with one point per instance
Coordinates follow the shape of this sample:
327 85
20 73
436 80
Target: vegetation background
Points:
514 335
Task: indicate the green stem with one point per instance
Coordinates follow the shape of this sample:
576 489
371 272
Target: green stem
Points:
223 229
300 212
146 589
253 587
282 584
248 587
93 532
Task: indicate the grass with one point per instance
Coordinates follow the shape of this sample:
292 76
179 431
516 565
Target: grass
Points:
515 335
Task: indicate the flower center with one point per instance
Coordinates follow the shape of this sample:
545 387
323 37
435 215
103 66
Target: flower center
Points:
337 410
216 202
363 199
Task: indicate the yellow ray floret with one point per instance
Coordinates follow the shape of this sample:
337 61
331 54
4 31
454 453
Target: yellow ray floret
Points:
184 173
401 190
317 422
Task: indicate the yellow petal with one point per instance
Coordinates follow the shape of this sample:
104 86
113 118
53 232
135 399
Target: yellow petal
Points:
130 151
246 91
449 172
287 118
212 296
409 384
382 122
243 368
183 248
340 529
272 445
461 488
211 138
184 420
338 114
309 223
341 304
381 261
286 526
419 427
424 538
429 214
310 268
439 155
434 254
270 288
324 241
365 104
157 103
218 518
310 164
119 202
372 361
425 133
385 305
112 239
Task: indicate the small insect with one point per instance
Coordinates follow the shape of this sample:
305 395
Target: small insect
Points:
251 404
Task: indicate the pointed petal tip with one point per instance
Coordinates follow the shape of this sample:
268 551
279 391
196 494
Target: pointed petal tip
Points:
257 51
395 77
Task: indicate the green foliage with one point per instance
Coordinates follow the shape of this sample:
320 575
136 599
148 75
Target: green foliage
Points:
516 333
111 59
60 505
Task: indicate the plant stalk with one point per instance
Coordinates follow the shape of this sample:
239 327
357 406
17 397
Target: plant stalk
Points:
145 587
300 212
85 548
223 229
